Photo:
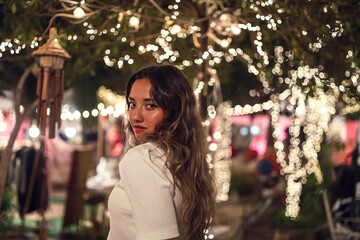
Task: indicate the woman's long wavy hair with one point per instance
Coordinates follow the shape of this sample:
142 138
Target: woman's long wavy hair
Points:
181 135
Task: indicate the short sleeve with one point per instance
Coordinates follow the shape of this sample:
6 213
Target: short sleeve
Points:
149 191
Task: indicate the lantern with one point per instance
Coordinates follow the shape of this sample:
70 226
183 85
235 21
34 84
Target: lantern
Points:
50 85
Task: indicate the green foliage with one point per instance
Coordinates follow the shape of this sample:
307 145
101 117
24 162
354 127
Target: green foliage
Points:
312 213
237 181
296 17
7 207
244 183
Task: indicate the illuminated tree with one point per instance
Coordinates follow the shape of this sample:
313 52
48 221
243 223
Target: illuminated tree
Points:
300 51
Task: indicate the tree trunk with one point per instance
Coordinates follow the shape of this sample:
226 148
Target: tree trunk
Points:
6 156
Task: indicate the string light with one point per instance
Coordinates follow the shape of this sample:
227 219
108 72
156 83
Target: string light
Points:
223 28
248 109
220 153
313 115
110 104
350 109
70 132
134 22
79 12
34 131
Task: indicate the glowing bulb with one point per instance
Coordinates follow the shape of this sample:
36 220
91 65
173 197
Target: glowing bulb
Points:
70 132
110 110
244 131
235 30
101 106
217 135
77 114
224 43
86 114
120 107
104 112
34 131
213 147
79 12
175 29
323 110
95 112
224 17
134 21
255 130
300 110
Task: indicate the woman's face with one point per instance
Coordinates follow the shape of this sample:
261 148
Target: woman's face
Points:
144 113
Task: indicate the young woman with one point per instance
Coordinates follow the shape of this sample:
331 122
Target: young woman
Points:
166 190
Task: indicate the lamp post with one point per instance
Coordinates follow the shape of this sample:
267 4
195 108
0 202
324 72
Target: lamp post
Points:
50 85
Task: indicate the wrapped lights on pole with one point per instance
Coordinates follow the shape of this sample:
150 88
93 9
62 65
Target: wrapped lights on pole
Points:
50 85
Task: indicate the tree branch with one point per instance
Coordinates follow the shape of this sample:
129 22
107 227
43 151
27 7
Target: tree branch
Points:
159 8
19 88
31 108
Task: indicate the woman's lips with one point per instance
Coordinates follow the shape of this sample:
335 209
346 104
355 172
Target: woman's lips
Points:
138 129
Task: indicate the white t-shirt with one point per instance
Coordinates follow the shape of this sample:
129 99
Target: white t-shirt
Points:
144 204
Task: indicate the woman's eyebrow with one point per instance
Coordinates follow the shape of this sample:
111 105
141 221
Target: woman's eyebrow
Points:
145 99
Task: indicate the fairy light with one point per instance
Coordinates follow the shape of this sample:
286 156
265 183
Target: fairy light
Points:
103 112
250 109
115 111
108 97
70 132
134 22
111 104
79 12
34 131
94 112
225 43
231 27
220 152
100 106
350 109
86 114
15 46
219 157
175 29
311 113
223 23
120 62
199 88
224 27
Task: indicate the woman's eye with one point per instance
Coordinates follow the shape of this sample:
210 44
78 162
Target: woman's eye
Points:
131 105
151 106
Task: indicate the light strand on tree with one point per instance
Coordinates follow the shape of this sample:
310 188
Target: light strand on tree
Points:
219 157
312 114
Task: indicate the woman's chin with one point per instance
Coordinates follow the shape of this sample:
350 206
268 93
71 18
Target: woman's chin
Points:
140 137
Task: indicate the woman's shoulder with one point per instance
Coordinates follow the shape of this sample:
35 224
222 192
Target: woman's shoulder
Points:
145 158
144 149
143 153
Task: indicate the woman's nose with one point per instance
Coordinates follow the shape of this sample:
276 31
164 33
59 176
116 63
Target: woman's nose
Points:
137 114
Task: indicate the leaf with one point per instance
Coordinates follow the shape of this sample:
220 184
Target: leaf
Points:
13 8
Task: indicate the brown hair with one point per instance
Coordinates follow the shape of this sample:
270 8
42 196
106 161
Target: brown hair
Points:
182 137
